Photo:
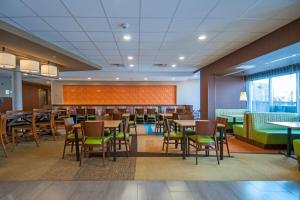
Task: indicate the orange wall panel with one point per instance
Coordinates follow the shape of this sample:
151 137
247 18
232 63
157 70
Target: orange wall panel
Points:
120 94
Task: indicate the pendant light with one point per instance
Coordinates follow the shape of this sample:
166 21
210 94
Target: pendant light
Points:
29 66
7 60
243 94
49 70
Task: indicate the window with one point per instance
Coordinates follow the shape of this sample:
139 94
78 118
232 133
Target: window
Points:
259 95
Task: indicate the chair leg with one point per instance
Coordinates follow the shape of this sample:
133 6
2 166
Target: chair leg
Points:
217 154
176 144
196 154
53 133
72 145
81 155
135 129
167 146
103 154
163 147
36 139
126 147
119 144
3 146
13 132
63 156
227 145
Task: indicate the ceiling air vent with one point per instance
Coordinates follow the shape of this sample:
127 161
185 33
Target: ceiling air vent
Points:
160 65
117 65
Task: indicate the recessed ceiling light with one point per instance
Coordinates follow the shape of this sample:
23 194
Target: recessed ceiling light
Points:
245 67
130 58
117 78
127 37
145 78
89 78
173 78
202 37
181 57
173 65
131 65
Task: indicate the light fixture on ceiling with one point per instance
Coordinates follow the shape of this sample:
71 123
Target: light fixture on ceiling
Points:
173 65
245 67
202 37
29 66
89 78
145 79
117 78
7 60
126 37
130 58
181 57
131 65
243 96
49 70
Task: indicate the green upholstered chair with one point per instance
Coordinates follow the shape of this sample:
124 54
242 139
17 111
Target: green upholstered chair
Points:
151 115
205 138
159 124
70 136
132 123
187 116
268 134
296 144
122 110
123 135
81 114
91 113
170 137
140 115
93 136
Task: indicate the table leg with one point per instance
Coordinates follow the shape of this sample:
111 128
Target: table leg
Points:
288 144
221 144
183 143
234 120
77 144
115 143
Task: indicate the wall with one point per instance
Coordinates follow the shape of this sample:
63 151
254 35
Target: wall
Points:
188 93
5 84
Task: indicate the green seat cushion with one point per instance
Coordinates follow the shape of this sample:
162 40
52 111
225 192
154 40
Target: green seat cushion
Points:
72 136
174 134
296 144
131 122
190 131
96 140
120 136
274 136
80 117
91 117
61 117
160 122
201 139
151 116
139 116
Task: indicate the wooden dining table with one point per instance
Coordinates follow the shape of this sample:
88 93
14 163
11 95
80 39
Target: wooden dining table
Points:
192 123
111 124
166 115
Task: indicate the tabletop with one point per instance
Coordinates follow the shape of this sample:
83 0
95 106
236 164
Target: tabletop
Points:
293 125
166 114
235 116
193 123
107 124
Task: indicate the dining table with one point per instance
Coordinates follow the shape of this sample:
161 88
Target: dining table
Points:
192 123
110 124
166 115
234 117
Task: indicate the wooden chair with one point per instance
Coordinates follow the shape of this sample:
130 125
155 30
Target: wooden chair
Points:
123 136
70 136
81 114
122 110
224 122
187 116
139 115
170 110
151 115
180 110
205 138
93 136
26 130
91 113
3 136
132 123
170 136
47 125
159 124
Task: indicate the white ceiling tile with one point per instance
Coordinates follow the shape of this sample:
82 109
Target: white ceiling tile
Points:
180 37
195 8
151 37
150 45
90 52
11 22
106 45
149 52
129 52
49 35
214 24
110 52
133 24
231 8
83 45
89 8
15 8
154 25
75 36
94 24
128 45
33 24
63 23
121 8
158 8
63 44
47 8
101 36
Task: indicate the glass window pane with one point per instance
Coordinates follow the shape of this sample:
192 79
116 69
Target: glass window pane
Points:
259 95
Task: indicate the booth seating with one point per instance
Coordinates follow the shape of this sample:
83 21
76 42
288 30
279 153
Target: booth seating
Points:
241 130
296 144
222 112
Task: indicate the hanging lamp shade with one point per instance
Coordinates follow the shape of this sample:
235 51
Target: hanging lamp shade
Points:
29 66
243 96
7 60
49 70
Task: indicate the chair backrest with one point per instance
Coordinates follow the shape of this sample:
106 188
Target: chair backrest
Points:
175 116
223 121
34 120
122 110
189 116
139 111
117 116
206 127
91 111
180 110
167 128
68 122
170 110
93 128
125 124
109 111
80 111
151 111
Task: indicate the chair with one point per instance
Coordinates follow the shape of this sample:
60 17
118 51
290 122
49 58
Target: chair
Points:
132 123
170 110
170 136
139 112
81 114
180 110
122 110
224 122
3 136
151 114
70 136
123 136
26 130
51 125
117 116
93 136
91 113
187 116
159 124
205 138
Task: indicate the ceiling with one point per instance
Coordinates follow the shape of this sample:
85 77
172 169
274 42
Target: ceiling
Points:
160 31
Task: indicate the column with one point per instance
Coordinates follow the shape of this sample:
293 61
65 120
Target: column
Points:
17 96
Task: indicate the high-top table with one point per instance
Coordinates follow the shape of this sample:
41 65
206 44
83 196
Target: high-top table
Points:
111 124
192 123
289 126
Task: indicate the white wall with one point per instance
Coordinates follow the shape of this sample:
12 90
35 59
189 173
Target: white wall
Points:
5 84
188 93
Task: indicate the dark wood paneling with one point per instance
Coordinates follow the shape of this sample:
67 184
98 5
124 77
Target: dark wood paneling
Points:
5 104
